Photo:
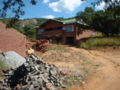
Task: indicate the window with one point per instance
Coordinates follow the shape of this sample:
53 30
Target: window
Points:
59 28
68 28
40 31
49 29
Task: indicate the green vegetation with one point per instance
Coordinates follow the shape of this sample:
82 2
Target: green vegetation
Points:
87 15
61 48
3 66
29 31
41 21
94 43
16 6
27 26
106 21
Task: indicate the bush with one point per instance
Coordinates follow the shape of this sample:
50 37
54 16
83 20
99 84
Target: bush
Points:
93 43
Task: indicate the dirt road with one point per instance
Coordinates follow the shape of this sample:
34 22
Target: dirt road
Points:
107 76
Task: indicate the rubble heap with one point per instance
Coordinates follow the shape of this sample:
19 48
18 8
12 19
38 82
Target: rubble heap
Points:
34 74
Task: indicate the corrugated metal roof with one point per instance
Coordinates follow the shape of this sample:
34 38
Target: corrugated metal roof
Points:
73 20
66 21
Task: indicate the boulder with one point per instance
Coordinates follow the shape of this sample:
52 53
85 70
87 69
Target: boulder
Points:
12 59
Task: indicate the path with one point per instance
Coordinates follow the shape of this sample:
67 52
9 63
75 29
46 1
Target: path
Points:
109 77
108 74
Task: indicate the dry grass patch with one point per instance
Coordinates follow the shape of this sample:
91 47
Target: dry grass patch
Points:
77 64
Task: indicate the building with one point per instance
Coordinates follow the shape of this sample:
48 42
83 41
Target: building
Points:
65 32
12 40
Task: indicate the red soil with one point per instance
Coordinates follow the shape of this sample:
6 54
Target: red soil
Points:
12 40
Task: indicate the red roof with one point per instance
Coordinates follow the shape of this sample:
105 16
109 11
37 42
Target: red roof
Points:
12 40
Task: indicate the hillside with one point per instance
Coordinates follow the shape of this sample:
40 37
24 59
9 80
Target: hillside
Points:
35 21
27 26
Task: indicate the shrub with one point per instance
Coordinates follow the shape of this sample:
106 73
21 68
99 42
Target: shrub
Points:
93 43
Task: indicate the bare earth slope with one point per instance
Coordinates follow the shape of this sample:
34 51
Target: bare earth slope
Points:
105 77
12 40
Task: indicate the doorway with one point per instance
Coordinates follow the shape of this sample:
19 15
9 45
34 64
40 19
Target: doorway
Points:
70 40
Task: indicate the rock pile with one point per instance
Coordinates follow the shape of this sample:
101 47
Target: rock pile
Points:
34 74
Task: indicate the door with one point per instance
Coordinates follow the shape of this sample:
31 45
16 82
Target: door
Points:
70 40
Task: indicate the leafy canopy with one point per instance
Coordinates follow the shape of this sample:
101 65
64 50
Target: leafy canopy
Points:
106 21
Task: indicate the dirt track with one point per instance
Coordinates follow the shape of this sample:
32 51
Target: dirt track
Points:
107 76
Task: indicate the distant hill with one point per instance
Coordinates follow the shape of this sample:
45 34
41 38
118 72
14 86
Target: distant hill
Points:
34 21
28 26
22 23
25 26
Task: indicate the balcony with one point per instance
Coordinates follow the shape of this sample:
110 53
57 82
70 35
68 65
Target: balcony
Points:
56 33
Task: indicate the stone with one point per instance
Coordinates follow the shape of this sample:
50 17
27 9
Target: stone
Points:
34 74
12 59
4 88
1 81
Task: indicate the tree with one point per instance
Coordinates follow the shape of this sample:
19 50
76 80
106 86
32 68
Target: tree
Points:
106 21
29 31
87 15
16 6
111 16
109 3
102 23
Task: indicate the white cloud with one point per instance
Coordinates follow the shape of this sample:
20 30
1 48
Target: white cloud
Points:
49 16
65 5
115 0
46 1
101 6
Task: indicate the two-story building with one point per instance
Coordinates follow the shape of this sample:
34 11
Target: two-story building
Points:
68 31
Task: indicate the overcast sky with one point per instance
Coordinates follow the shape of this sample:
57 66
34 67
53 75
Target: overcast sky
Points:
56 8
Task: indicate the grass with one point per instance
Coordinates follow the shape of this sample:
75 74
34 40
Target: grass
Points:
61 48
76 78
94 43
3 66
78 65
